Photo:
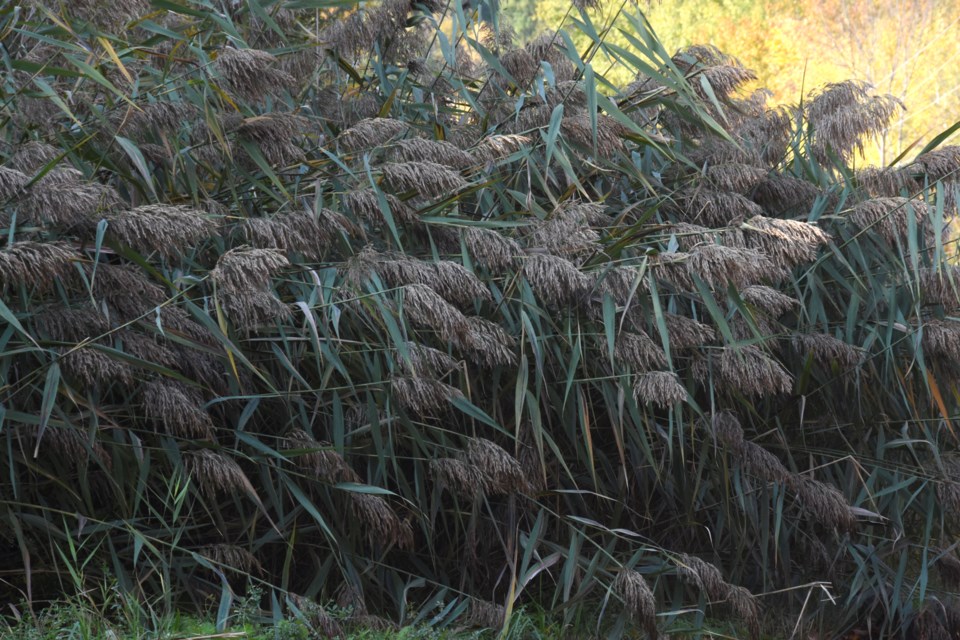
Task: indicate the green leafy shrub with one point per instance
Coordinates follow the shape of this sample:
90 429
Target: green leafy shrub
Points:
376 306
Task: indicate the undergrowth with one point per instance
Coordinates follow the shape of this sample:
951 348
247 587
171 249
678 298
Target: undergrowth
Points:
375 307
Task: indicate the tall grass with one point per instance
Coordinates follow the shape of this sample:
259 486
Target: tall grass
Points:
376 306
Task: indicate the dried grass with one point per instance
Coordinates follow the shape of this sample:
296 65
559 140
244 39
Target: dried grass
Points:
555 281
752 373
638 599
425 179
659 388
251 74
35 264
179 409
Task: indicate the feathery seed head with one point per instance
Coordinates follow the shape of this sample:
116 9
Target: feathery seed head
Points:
825 504
423 396
12 183
319 458
251 74
436 151
705 576
275 135
768 300
751 372
216 473
720 266
33 155
488 343
556 281
492 250
247 268
503 472
827 349
426 179
727 430
460 477
178 408
167 229
93 368
425 361
787 242
34 263
638 351
369 133
660 388
637 598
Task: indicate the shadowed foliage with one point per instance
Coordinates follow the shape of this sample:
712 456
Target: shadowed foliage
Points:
376 306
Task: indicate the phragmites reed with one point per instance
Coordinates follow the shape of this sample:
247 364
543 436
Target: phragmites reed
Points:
768 300
94 369
70 324
216 473
824 503
843 115
498 146
165 229
720 266
297 232
318 458
423 396
579 130
787 242
32 156
948 565
231 556
638 351
488 343
366 205
502 471
369 133
726 429
638 600
888 217
460 477
684 332
251 74
421 360
492 250
435 151
565 233
779 193
381 524
716 208
12 182
178 408
34 264
940 286
275 135
426 308
62 199
751 372
760 463
941 339
556 281
736 177
247 268
424 179
660 388
250 309
827 350
705 576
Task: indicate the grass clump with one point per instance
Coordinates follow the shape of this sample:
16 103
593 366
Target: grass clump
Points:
372 305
